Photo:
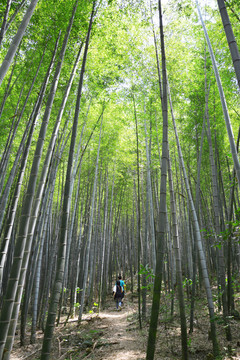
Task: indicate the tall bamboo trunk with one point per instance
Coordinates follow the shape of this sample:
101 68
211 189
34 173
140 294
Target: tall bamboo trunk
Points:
10 21
223 102
230 38
198 240
150 198
103 255
36 203
138 211
89 235
162 215
16 40
176 246
7 151
216 197
5 194
32 121
9 87
21 242
4 23
46 349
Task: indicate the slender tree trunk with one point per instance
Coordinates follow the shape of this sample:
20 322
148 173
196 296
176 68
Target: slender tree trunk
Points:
32 120
43 178
223 102
198 243
8 88
229 248
43 238
145 214
230 38
162 215
14 15
150 199
216 197
46 349
48 196
178 266
2 31
15 272
109 234
4 197
21 243
138 223
103 256
89 235
9 143
16 40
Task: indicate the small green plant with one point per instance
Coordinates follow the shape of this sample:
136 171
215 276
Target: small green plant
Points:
146 270
189 342
94 308
187 282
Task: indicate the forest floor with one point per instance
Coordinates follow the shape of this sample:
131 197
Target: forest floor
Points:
116 335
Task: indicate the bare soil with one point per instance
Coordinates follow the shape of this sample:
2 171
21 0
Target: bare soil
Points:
113 334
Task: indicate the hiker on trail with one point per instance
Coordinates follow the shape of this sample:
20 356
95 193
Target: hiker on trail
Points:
123 285
117 295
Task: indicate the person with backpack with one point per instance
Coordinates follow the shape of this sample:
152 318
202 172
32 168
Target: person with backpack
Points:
117 295
123 285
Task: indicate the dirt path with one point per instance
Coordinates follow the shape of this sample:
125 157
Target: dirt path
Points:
121 334
98 337
115 335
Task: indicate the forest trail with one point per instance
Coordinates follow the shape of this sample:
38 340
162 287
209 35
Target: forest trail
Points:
121 333
113 334
99 337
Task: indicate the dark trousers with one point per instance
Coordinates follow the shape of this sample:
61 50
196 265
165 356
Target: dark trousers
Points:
118 302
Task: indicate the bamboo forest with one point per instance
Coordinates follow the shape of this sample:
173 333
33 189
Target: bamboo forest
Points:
119 179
